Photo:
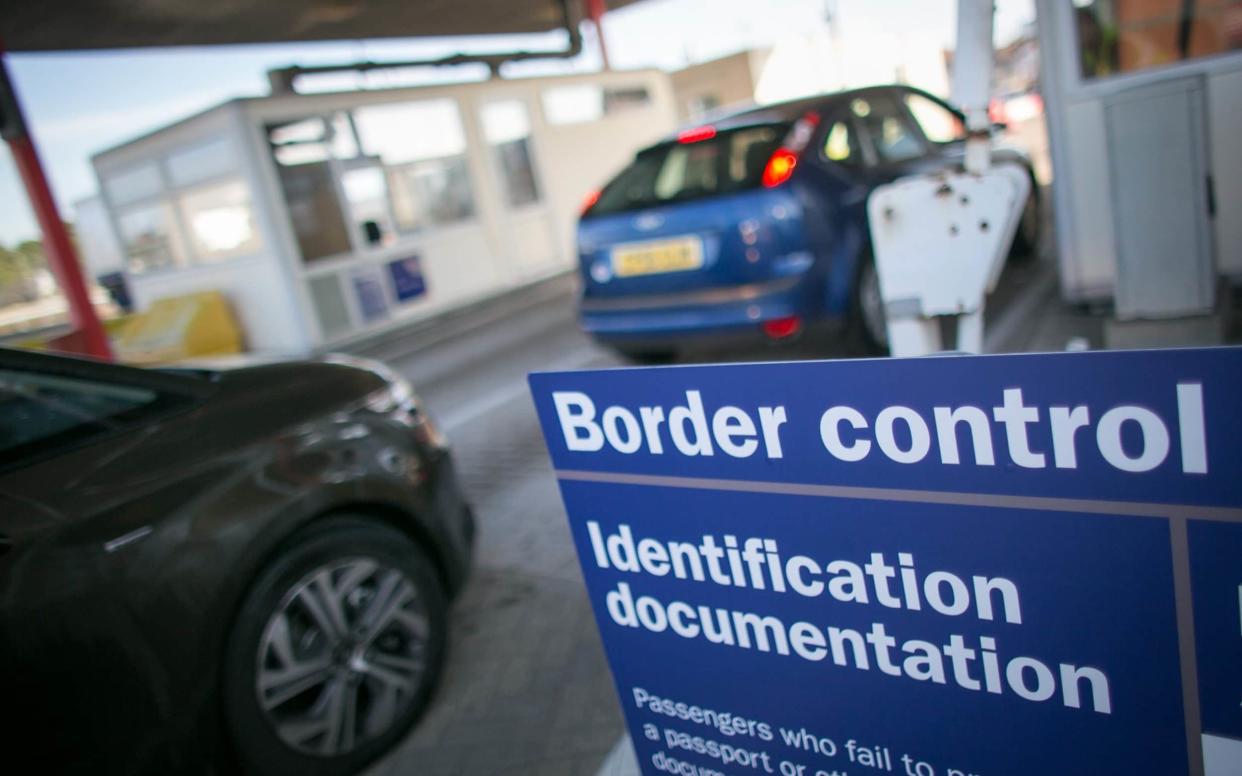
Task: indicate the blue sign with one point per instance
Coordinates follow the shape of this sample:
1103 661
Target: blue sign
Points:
370 295
407 278
1001 565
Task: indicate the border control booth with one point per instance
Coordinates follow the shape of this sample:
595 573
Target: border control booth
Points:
326 218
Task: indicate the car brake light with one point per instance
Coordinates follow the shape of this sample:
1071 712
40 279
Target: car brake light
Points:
781 164
780 328
779 167
589 202
696 135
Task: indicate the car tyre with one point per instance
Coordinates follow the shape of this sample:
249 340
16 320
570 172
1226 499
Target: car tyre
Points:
867 319
1026 238
334 652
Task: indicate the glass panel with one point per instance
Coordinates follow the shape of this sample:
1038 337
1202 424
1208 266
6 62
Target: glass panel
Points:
882 120
220 221
421 147
133 184
506 127
410 131
37 409
432 192
301 150
200 163
1121 36
330 305
940 125
732 160
840 144
366 193
148 238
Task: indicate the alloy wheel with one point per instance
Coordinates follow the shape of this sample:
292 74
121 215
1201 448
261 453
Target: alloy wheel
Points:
342 656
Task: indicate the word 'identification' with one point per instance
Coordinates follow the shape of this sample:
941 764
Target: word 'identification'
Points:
902 434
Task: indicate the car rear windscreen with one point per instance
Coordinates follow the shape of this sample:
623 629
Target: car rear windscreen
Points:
730 160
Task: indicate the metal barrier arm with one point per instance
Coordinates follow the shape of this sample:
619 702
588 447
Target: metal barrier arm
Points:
940 240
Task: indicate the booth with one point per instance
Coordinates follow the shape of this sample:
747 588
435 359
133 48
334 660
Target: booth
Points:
325 218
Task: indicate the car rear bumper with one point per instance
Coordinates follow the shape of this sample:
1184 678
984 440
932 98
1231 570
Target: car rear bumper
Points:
735 312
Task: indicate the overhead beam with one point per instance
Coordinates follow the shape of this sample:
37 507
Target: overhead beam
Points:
77 25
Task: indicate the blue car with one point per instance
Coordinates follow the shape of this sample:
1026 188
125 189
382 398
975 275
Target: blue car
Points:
754 226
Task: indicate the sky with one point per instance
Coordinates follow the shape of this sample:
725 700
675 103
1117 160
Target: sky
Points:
78 104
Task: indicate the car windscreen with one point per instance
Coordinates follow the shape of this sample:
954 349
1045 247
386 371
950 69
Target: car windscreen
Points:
41 410
725 162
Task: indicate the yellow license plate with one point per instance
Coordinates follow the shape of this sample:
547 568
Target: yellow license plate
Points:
655 257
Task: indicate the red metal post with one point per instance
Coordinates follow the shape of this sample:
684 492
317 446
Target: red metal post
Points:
62 259
595 11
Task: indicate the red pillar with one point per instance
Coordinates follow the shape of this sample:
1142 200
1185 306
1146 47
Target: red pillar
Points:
62 259
595 10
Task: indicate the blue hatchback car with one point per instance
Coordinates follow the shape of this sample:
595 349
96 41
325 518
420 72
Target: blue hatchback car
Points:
754 226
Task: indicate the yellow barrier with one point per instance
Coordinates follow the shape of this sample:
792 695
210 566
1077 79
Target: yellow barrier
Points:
178 328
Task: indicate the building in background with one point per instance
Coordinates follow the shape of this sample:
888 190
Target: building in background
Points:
718 84
816 62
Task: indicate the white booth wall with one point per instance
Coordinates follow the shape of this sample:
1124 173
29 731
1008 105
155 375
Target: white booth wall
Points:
1093 184
470 189
150 187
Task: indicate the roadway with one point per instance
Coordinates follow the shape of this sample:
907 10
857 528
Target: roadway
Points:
526 689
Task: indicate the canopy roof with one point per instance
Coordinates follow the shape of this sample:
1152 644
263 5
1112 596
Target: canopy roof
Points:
71 25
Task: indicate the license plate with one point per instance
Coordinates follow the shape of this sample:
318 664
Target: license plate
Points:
655 257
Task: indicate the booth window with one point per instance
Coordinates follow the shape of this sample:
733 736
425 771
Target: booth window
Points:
196 209
1123 36
199 163
133 185
578 103
302 150
149 237
421 149
506 127
220 221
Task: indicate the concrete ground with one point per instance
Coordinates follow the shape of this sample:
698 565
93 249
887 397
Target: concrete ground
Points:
527 689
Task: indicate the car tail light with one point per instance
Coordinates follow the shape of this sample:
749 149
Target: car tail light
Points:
781 164
780 328
779 167
696 134
589 202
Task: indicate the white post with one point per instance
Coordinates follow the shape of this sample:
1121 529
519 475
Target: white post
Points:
972 79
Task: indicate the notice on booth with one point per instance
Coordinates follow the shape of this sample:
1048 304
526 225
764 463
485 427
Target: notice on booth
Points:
996 565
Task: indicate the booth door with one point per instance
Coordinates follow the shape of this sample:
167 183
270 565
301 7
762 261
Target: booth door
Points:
1157 160
526 227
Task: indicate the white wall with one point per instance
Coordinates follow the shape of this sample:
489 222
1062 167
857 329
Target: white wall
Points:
254 288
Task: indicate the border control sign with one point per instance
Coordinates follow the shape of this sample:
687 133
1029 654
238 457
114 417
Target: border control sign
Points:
998 565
